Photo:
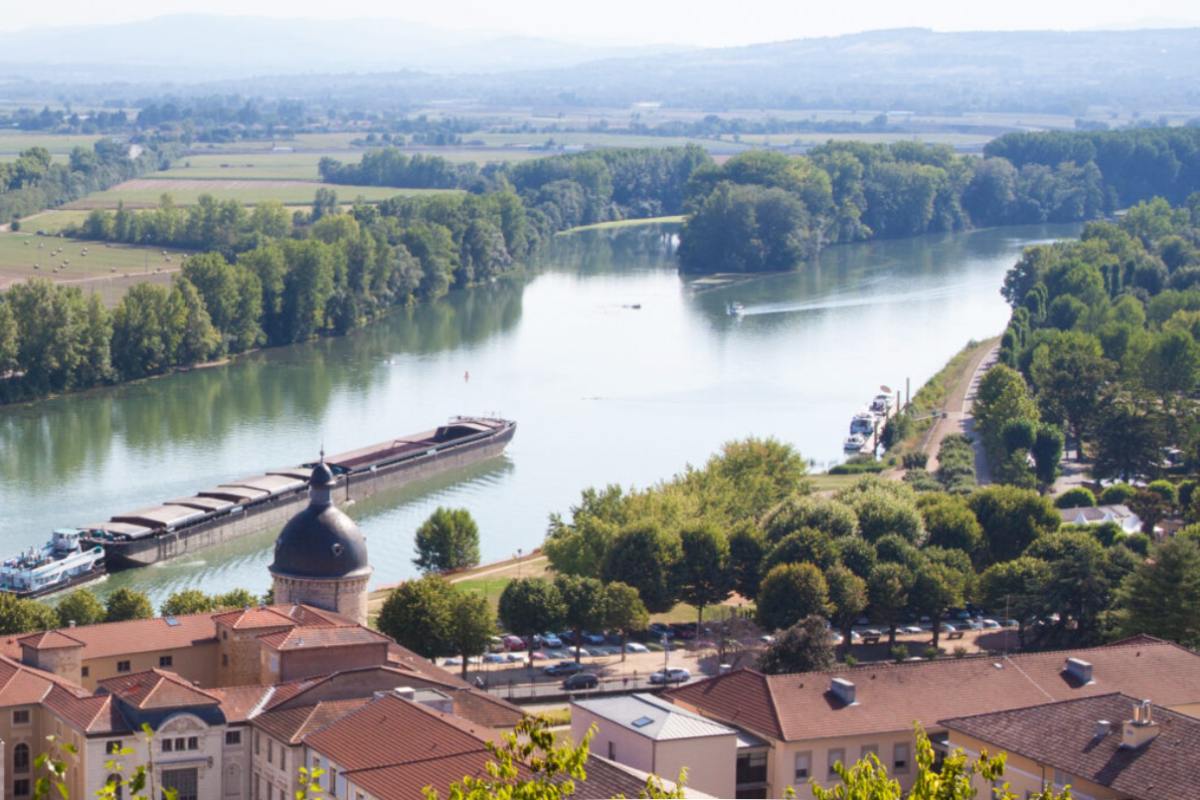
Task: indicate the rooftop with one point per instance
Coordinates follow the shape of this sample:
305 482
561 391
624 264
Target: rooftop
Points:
303 637
1063 735
156 689
652 718
890 697
49 640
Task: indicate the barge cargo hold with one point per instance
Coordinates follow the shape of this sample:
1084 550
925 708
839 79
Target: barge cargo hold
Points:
246 506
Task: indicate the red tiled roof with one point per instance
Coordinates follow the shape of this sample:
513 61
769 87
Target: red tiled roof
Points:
260 617
156 688
290 725
95 714
1063 736
107 639
239 702
49 640
890 697
24 685
308 637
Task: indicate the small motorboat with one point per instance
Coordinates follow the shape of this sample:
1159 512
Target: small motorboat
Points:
735 309
854 442
863 423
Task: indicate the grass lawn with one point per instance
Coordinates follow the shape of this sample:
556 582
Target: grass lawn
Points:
12 143
145 192
103 264
52 221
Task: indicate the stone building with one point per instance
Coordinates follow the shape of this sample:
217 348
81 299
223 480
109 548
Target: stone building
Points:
321 555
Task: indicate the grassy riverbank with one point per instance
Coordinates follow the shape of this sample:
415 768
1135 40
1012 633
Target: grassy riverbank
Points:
624 223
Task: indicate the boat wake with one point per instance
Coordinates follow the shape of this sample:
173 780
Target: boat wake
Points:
843 301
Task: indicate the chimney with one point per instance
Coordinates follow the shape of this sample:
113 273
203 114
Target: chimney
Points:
1103 728
1079 669
405 693
843 690
1141 730
70 623
724 669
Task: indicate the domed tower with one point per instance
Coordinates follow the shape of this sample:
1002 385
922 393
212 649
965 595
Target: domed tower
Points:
321 555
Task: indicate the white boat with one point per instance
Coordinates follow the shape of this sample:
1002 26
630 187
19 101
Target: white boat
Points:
854 442
863 423
735 309
882 405
58 564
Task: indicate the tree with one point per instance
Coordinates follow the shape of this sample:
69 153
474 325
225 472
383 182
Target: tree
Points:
126 604
1047 452
23 616
747 546
950 523
1011 519
848 596
190 331
833 518
703 573
529 606
1016 586
1162 594
935 589
417 615
471 625
644 556
857 554
624 611
1001 398
804 545
1129 435
80 607
235 598
447 541
803 647
583 602
887 589
954 778
789 593
186 601
1079 586
1069 369
882 511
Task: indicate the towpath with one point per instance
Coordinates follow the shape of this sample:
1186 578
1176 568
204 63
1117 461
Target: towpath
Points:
956 415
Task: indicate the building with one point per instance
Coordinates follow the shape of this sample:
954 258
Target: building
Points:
660 738
1120 515
810 721
321 555
1108 747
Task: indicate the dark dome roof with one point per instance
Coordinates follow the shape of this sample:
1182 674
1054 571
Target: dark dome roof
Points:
320 541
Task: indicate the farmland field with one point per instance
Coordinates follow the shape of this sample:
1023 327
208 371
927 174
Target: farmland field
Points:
19 252
145 192
12 143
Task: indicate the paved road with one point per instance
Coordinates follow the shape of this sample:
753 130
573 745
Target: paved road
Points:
956 417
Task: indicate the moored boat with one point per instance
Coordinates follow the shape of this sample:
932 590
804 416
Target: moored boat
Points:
60 563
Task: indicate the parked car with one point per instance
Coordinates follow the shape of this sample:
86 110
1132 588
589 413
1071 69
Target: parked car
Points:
563 668
581 680
513 658
495 658
513 642
991 624
593 638
672 675
636 647
658 630
496 644
912 629
548 640
948 628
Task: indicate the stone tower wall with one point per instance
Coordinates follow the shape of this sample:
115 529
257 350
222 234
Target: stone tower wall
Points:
346 596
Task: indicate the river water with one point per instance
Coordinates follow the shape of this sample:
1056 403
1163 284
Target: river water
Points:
603 392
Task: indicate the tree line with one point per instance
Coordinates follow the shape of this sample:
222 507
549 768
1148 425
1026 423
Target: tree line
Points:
34 181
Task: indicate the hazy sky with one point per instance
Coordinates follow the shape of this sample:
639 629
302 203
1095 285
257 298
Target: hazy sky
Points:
705 22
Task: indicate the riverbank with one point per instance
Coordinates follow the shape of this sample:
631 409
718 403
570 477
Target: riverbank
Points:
624 223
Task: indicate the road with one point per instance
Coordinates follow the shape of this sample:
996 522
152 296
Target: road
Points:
956 417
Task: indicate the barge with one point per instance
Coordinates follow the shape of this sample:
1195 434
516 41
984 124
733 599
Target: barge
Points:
249 505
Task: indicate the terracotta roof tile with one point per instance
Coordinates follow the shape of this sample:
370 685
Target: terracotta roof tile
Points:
49 640
107 639
250 618
890 697
308 638
156 688
238 703
95 714
293 724
1063 736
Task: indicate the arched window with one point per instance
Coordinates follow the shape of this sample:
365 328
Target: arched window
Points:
21 758
114 780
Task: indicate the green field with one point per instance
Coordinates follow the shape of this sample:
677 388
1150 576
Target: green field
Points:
52 221
11 144
145 192
20 252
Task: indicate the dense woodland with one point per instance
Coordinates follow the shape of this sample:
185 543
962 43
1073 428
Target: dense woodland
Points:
766 211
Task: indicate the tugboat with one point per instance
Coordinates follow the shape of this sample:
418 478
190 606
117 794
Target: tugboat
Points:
59 564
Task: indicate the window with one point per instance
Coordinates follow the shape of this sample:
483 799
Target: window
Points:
112 747
84 671
900 758
804 765
836 755
21 787
165 661
612 750
180 744
193 743
257 786
872 749
270 751
183 781
114 780
233 737
224 659
21 717
333 782
21 758
257 743
752 767
122 666
167 745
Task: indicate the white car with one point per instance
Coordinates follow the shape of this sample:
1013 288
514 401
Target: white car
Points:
912 629
672 675
991 624
636 647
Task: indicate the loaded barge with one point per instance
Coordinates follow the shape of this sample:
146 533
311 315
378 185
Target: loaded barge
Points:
242 507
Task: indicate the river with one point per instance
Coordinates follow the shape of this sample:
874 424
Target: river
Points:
603 392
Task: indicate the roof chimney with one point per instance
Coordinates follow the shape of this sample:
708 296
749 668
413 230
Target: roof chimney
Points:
405 693
1079 669
70 623
1141 730
1103 728
843 690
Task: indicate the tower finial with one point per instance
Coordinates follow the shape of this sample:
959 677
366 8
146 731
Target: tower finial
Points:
322 451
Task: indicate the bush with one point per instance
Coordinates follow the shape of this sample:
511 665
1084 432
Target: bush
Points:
917 460
16 225
900 653
956 463
960 652
922 481
930 653
1117 494
859 465
1164 489
1077 497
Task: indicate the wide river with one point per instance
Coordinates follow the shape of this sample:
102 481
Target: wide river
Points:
603 391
